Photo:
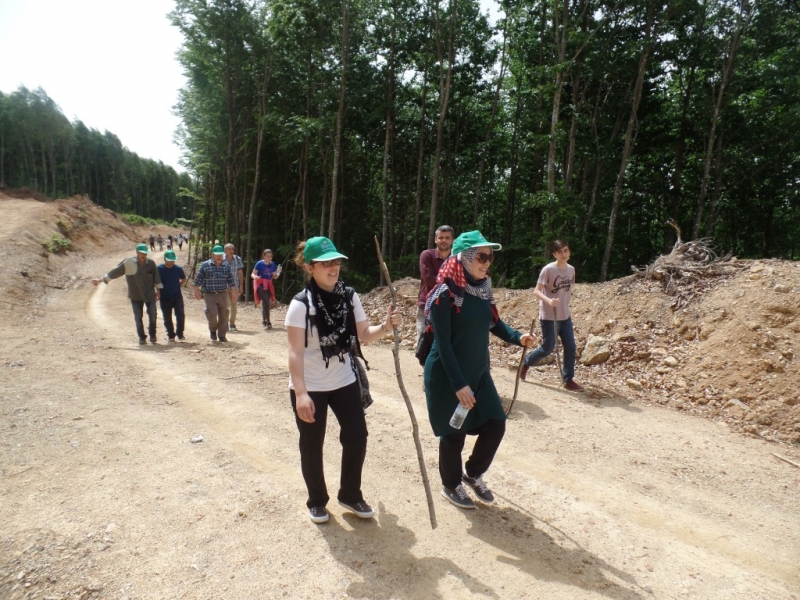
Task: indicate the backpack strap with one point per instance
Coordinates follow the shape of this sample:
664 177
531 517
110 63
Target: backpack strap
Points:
302 297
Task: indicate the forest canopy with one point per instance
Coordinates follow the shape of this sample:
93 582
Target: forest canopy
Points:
594 120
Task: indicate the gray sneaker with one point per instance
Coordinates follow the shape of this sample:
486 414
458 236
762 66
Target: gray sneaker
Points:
458 496
479 487
232 327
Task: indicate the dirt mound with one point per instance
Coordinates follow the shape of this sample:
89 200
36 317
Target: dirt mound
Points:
728 355
48 235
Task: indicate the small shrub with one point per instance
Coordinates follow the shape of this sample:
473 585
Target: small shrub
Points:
62 226
57 245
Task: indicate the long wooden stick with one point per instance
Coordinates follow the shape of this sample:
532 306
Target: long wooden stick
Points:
519 370
558 353
783 458
398 372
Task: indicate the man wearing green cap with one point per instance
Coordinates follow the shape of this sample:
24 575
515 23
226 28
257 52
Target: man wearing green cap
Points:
173 278
144 288
215 280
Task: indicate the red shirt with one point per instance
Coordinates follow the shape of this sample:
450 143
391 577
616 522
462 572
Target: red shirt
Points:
429 264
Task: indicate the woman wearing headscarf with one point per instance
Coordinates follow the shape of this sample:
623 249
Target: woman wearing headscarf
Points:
462 312
324 324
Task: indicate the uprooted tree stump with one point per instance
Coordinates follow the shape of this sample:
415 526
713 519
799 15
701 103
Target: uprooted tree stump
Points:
689 270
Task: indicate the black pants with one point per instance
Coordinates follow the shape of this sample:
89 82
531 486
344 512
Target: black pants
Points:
346 405
265 296
167 306
490 434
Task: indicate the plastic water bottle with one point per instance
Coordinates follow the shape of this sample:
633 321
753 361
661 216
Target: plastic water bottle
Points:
279 269
457 420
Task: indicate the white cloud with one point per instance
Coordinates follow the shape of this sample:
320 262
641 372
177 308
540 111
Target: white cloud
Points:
109 63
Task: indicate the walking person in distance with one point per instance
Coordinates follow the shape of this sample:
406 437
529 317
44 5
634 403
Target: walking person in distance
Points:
554 291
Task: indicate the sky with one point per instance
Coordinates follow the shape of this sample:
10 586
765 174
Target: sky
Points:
108 63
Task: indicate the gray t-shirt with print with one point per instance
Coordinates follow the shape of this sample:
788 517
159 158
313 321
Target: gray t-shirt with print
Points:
557 284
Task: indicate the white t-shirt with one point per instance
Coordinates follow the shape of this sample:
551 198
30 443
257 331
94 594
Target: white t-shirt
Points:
318 378
557 284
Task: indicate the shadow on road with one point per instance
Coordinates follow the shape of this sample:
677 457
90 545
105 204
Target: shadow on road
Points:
379 550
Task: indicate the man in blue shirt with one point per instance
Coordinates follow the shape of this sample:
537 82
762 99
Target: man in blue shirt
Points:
172 278
215 280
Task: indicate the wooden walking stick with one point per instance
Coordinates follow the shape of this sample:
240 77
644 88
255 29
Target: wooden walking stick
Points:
558 353
519 370
414 426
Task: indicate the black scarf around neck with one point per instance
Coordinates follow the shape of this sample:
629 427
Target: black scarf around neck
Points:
334 320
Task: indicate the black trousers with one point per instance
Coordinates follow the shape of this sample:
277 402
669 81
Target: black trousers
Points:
490 434
167 306
139 308
346 405
265 296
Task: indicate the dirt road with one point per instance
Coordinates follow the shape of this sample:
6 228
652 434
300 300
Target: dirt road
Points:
102 495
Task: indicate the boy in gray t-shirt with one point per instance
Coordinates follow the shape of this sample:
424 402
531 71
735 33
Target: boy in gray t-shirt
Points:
554 291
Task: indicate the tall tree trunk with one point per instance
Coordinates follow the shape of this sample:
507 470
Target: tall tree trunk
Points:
742 21
229 180
676 190
560 40
444 96
262 111
490 129
337 148
421 152
630 133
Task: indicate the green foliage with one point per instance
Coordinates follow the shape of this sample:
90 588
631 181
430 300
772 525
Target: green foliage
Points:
57 245
139 220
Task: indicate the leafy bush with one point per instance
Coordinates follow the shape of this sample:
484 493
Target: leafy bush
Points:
57 245
134 219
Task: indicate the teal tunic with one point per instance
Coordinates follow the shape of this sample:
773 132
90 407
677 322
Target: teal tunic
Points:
460 356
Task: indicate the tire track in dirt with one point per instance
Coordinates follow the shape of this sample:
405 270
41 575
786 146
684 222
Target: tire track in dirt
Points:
181 381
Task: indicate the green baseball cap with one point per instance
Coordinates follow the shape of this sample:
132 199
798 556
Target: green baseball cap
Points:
473 239
217 250
319 249
142 248
170 255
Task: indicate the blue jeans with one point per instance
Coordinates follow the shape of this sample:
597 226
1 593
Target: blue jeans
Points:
138 314
567 336
167 306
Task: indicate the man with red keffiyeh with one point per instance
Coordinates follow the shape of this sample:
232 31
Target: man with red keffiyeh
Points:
461 310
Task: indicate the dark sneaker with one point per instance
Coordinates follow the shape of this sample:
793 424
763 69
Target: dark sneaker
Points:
523 373
142 341
153 339
360 509
172 339
479 487
269 325
263 323
232 327
223 339
319 514
573 387
213 336
458 496
181 338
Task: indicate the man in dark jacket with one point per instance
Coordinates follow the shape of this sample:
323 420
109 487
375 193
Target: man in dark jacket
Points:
144 288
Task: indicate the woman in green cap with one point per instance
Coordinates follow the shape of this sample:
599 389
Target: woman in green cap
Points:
324 324
462 312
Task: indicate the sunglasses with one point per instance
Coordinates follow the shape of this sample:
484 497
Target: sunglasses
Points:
329 263
483 258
